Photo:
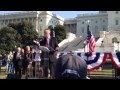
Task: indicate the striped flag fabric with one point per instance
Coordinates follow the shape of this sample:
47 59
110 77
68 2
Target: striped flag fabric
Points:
94 60
115 58
91 40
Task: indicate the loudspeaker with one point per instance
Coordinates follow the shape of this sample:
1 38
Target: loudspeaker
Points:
13 76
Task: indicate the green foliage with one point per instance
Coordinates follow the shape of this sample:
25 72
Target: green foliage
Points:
2 51
7 38
60 33
17 34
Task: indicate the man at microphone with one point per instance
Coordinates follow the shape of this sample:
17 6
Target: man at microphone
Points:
48 58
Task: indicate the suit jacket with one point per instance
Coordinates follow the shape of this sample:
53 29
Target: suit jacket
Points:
14 58
27 57
32 56
52 45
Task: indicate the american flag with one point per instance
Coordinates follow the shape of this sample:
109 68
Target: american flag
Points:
91 40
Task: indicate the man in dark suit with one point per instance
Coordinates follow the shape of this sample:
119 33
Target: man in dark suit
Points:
48 58
17 61
26 60
33 53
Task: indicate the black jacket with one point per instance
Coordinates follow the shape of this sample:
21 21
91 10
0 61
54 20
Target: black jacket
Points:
52 45
14 57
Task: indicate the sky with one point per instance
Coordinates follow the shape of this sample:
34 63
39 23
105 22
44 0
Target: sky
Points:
64 14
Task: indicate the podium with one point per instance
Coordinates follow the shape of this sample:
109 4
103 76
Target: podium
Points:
37 69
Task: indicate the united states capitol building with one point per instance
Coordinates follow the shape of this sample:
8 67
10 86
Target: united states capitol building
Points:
39 19
105 26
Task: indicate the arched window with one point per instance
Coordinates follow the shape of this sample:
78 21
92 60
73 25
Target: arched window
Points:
114 40
116 22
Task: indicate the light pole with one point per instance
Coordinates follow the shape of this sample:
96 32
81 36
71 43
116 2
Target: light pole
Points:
88 22
88 28
87 42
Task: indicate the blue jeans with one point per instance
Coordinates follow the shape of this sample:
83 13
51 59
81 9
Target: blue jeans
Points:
9 67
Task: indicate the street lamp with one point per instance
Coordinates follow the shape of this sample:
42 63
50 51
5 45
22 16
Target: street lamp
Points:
88 28
88 22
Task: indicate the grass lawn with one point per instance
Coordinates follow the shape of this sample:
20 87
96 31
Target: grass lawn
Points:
102 72
3 74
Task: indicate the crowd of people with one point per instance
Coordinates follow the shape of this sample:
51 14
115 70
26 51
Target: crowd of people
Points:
19 61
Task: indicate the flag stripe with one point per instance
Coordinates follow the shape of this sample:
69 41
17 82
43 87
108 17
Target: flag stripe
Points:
91 40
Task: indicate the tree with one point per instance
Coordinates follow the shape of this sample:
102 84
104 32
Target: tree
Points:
60 33
26 33
7 39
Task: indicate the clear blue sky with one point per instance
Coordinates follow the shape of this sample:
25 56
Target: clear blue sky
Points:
64 14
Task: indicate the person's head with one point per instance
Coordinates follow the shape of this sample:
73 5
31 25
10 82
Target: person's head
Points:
47 33
22 50
28 49
19 49
33 50
70 67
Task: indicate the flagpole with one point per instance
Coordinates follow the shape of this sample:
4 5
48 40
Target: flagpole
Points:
88 27
88 44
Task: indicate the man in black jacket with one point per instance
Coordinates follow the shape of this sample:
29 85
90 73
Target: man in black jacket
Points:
33 53
26 60
48 58
17 61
